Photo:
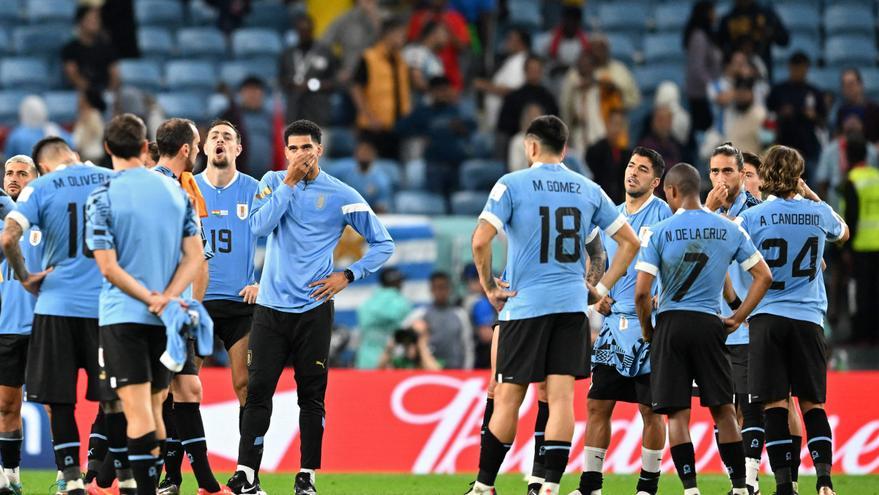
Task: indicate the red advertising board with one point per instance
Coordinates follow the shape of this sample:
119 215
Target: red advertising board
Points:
397 421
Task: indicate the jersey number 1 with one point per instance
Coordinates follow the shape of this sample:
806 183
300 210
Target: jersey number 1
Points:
73 233
572 233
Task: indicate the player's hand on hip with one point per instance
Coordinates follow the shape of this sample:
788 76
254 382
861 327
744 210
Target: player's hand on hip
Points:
34 281
299 167
717 196
157 302
329 287
498 296
249 293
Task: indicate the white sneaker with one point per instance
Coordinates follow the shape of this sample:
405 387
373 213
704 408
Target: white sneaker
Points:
477 488
594 492
5 485
642 493
74 485
576 492
796 486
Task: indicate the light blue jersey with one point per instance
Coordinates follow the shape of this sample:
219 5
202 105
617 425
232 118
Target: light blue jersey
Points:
227 230
147 241
791 234
16 303
691 252
548 212
7 205
620 343
55 203
303 225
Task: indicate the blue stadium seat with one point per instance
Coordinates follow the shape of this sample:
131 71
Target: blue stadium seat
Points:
142 74
48 11
671 16
41 40
341 142
825 78
392 169
201 42
849 50
190 75
526 14
9 102
5 41
468 203
622 47
849 19
232 73
10 12
155 42
416 172
160 13
201 14
256 42
623 16
800 18
63 105
270 14
185 105
870 76
663 48
810 3
798 42
24 72
650 76
480 175
419 203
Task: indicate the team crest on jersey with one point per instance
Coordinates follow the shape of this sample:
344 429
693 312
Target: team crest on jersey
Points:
320 202
35 237
241 210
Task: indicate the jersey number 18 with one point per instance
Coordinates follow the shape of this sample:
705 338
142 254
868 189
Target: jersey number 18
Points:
563 232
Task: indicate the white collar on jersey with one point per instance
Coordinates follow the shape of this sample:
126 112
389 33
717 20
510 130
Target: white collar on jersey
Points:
644 205
682 210
772 197
540 164
208 182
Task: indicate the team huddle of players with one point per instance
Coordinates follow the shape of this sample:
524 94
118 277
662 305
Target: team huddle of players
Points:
727 295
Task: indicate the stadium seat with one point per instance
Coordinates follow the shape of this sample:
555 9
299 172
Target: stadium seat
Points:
190 75
419 203
800 18
10 12
669 17
849 19
271 14
622 47
24 72
63 106
185 105
201 14
160 13
41 40
50 11
798 42
256 42
649 76
9 102
825 78
468 203
621 16
5 41
201 42
392 169
415 172
849 50
155 42
663 48
870 76
232 73
480 175
142 74
341 142
525 14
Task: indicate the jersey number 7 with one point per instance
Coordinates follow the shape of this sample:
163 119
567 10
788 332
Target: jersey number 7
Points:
700 259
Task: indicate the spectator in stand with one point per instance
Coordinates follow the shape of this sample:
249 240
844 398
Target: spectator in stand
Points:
33 125
567 40
380 316
370 181
458 39
581 106
703 61
614 74
660 136
123 30
351 32
744 118
422 56
254 121
231 13
669 95
482 316
855 101
608 158
90 60
448 325
308 76
381 91
409 349
516 159
799 112
448 132
88 131
752 26
509 77
833 166
478 14
533 91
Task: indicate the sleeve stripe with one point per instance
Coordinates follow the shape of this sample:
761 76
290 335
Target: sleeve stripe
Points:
20 219
753 260
841 226
493 220
643 266
355 207
615 226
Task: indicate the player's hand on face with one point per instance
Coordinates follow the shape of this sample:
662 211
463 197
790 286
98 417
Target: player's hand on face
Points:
603 306
299 167
806 192
329 287
716 196
34 281
249 293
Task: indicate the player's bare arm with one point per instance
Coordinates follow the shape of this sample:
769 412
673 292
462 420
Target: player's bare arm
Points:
597 260
481 244
200 284
187 269
12 233
628 247
762 279
729 293
644 303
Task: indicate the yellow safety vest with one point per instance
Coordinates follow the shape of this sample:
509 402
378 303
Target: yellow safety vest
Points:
866 182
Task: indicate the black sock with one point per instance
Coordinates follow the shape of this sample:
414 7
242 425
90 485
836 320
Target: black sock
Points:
143 462
733 456
590 481
556 455
10 449
173 449
778 447
192 437
820 445
795 449
491 456
753 434
538 468
65 438
684 457
97 446
160 459
118 450
486 416
647 482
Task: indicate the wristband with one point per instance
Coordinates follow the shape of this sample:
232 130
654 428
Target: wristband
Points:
601 289
735 304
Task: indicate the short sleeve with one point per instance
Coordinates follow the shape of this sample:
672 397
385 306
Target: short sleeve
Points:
190 220
831 223
606 215
27 209
648 256
746 253
98 220
499 207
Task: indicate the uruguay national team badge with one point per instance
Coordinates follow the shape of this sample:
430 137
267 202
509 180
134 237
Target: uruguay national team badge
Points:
35 237
320 202
241 210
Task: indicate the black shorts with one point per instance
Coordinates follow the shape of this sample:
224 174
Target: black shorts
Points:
608 384
232 320
59 347
192 365
687 346
131 353
555 344
738 360
13 359
279 338
787 357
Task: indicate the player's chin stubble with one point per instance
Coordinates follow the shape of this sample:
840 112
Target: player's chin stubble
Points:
220 162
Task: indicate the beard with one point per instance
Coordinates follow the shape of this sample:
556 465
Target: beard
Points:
220 162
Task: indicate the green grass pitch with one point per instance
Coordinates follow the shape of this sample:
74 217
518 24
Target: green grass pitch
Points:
39 483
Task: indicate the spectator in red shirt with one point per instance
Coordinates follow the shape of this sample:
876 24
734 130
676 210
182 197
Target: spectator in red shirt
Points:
459 35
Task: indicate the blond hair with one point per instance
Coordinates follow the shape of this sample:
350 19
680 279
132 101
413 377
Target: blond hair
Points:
781 171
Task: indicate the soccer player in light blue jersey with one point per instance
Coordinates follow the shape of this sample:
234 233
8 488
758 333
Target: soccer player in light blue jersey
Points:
16 317
64 335
690 252
620 357
303 211
547 213
788 352
138 288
